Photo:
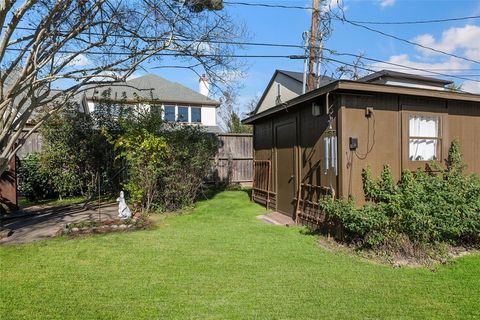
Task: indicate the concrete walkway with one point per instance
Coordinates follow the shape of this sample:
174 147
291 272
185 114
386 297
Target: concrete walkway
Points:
38 223
277 218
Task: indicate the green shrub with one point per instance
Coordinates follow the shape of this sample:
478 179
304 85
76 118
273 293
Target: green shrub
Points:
35 183
428 207
77 155
146 154
167 162
187 166
363 225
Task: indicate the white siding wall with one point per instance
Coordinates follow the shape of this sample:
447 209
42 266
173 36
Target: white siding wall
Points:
209 116
208 113
289 89
91 106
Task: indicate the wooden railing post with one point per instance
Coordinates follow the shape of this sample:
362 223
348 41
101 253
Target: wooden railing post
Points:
261 181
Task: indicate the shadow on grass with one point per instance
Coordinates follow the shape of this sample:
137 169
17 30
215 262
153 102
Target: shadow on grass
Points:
211 191
324 230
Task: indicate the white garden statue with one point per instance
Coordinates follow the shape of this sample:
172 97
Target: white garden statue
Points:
123 210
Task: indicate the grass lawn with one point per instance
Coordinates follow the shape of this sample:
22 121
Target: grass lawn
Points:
222 263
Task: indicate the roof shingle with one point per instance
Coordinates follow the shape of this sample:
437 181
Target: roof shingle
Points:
149 87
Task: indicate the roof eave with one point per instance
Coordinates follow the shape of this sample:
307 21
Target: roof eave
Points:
295 101
213 103
401 75
284 72
350 85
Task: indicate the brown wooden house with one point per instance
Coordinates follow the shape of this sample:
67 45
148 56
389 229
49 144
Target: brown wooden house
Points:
316 144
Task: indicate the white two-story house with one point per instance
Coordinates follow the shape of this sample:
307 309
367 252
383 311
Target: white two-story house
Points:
177 102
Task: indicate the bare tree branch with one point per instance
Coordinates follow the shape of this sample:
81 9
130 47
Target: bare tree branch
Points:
42 42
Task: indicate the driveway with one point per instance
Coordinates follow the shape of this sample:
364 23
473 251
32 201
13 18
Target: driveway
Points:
39 223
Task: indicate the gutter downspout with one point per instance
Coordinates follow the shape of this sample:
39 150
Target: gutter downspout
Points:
327 103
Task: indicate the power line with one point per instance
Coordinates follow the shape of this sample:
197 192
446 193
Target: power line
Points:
409 41
415 21
193 55
427 21
403 67
370 70
443 69
349 64
183 38
361 25
266 5
399 65
293 57
281 45
427 70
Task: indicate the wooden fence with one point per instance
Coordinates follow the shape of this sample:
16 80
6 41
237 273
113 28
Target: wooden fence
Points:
31 144
234 160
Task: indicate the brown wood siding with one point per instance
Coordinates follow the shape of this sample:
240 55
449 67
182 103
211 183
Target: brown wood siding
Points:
308 147
385 134
286 168
311 143
464 126
378 140
458 121
263 145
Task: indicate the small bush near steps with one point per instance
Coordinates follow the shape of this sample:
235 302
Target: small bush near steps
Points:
427 215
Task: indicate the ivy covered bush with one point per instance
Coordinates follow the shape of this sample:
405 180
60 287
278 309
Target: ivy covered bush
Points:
438 205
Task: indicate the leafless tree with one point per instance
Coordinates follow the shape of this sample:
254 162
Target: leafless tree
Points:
74 44
231 111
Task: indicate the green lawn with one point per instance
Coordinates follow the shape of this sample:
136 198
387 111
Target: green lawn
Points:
222 263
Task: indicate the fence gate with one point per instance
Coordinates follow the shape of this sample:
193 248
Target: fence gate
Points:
234 160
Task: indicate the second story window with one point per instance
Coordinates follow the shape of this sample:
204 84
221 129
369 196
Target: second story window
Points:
169 113
182 114
196 115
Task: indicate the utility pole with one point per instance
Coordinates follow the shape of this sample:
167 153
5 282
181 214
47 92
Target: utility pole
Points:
305 37
319 62
313 44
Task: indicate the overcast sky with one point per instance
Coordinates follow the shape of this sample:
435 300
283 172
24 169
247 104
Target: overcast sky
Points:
276 25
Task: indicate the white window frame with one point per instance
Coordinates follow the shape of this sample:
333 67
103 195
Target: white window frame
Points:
424 138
